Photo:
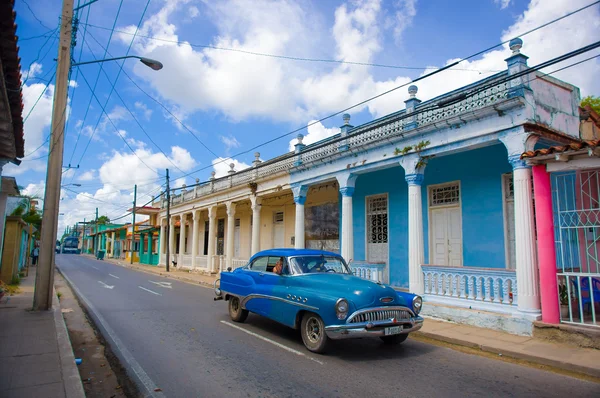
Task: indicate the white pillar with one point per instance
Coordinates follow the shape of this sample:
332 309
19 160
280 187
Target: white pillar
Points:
195 232
212 234
181 240
171 239
230 234
112 245
256 206
161 238
347 230
526 258
300 193
415 233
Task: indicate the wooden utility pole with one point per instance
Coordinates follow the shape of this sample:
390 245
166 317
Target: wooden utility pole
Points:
168 241
133 225
44 280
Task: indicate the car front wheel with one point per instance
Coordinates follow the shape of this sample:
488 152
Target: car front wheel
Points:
236 312
312 329
395 339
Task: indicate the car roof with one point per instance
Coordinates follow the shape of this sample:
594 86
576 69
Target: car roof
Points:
293 252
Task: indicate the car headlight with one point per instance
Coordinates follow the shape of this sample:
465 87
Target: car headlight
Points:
417 304
341 308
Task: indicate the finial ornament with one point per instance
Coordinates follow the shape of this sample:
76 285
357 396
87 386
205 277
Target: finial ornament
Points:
515 45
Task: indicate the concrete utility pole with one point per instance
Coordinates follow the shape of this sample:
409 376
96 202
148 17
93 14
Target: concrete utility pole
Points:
96 241
44 281
167 241
133 224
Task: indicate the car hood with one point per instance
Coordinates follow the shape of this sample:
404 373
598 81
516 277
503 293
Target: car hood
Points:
361 292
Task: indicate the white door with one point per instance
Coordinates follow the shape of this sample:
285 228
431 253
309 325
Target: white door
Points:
445 225
236 239
377 229
509 206
278 230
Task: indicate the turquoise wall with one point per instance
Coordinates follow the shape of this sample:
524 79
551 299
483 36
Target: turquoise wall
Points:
480 174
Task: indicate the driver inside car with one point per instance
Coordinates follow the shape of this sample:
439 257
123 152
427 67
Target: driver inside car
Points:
278 269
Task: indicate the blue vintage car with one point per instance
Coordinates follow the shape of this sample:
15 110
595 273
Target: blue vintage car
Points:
317 293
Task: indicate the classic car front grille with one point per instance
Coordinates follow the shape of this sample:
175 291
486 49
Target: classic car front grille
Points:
380 315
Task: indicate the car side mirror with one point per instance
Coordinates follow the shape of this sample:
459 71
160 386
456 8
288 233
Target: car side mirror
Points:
228 269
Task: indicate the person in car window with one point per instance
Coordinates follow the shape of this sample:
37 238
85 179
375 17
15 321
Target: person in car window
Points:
278 269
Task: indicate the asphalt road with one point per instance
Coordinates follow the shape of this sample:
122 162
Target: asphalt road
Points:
175 338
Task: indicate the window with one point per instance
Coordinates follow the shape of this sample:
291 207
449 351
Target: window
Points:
260 264
377 219
278 217
237 222
444 195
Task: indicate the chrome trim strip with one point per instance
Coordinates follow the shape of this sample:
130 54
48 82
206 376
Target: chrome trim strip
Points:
374 309
337 332
249 297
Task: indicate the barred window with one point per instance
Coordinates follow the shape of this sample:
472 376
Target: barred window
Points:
278 217
377 219
509 186
444 195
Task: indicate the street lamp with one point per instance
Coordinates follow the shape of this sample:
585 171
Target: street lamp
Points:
45 271
151 63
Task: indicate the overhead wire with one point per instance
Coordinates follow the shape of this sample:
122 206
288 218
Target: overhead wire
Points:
55 37
164 107
116 79
34 15
425 109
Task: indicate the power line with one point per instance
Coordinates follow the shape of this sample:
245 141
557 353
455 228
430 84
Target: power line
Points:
334 61
114 126
95 85
55 37
163 106
133 115
145 204
116 79
35 16
425 109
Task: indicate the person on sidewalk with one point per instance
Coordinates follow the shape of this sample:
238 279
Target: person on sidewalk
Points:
34 255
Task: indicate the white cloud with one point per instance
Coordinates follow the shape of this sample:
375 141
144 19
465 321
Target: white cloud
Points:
35 69
503 3
230 142
193 11
89 175
143 108
179 182
73 83
405 12
222 166
315 133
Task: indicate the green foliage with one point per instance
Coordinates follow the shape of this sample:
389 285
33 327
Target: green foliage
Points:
563 294
422 145
592 101
16 280
101 220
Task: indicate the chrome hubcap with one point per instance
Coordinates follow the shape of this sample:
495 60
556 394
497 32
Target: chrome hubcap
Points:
313 330
235 305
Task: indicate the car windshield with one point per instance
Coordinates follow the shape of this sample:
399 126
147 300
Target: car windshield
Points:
318 264
70 243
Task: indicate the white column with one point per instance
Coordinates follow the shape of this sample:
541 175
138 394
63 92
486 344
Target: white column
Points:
212 234
526 258
161 238
300 193
230 234
347 230
256 206
172 239
181 240
112 245
195 232
415 233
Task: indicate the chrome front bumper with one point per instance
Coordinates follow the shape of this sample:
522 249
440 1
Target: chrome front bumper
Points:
371 329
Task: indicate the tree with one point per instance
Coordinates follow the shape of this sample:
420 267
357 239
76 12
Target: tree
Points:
593 102
101 220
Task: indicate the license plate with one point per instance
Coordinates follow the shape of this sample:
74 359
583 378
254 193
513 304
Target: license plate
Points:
392 330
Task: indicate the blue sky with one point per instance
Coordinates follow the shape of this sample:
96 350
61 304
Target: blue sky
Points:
232 101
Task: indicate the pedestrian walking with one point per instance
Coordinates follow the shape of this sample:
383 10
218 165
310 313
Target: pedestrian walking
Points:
34 255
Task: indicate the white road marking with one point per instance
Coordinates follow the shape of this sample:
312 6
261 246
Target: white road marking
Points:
148 290
114 276
151 388
299 353
162 284
95 267
105 285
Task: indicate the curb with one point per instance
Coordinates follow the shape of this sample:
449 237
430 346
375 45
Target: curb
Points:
68 368
594 372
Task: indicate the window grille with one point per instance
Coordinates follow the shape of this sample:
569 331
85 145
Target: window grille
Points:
278 217
444 195
237 222
509 187
377 219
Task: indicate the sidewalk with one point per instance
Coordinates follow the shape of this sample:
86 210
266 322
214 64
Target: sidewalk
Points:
36 358
566 357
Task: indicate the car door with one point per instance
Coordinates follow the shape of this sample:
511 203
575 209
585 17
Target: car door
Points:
269 290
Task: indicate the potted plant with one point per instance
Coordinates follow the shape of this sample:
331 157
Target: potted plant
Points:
563 296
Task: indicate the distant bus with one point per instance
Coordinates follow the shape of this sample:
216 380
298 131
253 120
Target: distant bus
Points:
70 245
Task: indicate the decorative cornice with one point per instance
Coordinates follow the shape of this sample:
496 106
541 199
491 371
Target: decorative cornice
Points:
517 163
414 179
347 191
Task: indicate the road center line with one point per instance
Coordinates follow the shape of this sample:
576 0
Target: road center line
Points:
166 285
95 267
148 290
114 276
299 353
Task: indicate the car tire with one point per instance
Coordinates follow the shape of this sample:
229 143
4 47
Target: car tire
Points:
236 312
312 329
395 339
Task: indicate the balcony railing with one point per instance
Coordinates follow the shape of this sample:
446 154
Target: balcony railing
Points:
474 284
384 129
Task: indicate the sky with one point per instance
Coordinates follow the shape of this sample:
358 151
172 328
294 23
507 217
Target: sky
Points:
238 73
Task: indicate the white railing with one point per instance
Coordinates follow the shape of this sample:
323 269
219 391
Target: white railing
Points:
184 260
163 258
238 263
475 284
372 272
202 262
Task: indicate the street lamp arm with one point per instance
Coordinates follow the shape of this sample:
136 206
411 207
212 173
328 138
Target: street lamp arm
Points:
151 63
